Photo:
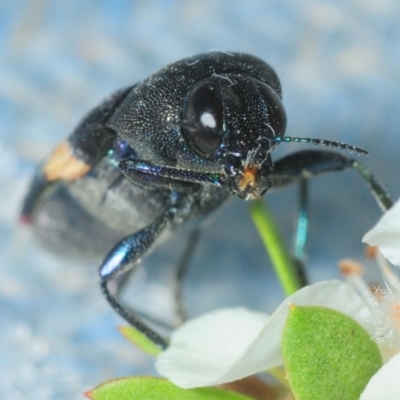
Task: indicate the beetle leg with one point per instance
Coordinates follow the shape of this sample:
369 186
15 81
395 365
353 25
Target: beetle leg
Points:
166 175
124 257
181 272
302 221
308 163
151 180
302 165
301 233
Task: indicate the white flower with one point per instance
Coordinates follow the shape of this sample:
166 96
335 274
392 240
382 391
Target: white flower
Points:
384 385
230 344
386 234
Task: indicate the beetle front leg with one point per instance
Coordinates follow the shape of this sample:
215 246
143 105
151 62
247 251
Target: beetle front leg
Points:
137 176
309 163
301 166
167 176
124 257
301 233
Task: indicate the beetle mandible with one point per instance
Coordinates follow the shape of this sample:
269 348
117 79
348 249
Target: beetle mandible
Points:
166 151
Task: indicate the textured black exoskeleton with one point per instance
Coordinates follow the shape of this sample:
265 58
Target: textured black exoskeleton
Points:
166 151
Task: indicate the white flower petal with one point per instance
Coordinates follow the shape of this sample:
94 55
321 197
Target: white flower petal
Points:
384 385
230 344
386 234
203 349
330 294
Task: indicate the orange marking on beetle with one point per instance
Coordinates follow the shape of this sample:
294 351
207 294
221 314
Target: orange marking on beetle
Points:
248 178
63 165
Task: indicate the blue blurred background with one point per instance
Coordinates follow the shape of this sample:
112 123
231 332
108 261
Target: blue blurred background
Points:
339 64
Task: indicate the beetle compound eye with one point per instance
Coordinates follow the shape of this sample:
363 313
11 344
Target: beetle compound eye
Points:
276 112
202 118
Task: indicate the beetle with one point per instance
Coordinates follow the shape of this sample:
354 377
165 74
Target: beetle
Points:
169 150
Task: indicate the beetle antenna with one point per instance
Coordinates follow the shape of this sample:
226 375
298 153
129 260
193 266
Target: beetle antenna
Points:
322 142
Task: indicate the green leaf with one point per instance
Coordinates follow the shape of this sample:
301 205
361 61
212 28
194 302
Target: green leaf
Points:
141 388
327 355
139 340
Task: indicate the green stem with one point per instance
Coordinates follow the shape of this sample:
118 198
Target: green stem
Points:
276 248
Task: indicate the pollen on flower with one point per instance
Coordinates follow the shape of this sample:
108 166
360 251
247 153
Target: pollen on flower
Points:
350 267
394 313
377 292
353 271
371 251
389 322
388 299
384 304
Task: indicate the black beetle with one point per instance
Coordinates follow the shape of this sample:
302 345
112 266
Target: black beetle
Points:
165 151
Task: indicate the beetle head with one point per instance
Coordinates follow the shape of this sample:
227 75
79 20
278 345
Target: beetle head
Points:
233 120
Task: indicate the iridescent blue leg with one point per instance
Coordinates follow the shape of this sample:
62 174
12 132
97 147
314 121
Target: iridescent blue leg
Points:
131 169
124 257
301 232
301 166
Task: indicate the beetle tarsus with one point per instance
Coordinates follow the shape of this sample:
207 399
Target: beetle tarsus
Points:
132 319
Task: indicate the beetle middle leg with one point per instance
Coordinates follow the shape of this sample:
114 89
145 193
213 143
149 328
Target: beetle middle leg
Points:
135 171
123 257
181 272
188 198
